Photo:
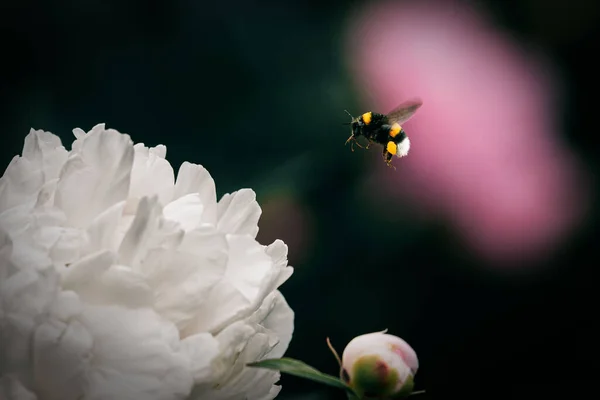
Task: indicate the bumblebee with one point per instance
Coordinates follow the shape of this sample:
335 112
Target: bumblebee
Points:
384 129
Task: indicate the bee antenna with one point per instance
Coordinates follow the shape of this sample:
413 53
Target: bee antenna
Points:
349 114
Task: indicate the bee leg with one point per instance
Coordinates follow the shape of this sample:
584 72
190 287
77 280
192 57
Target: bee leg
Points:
387 158
353 142
385 154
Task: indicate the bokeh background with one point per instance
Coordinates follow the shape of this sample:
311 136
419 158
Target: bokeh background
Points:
479 249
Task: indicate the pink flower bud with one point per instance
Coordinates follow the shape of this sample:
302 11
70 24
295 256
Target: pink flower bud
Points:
379 365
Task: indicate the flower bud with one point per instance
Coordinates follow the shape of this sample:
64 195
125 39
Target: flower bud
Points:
378 365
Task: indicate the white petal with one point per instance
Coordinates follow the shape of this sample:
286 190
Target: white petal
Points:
20 183
45 196
186 211
151 174
16 337
145 231
6 249
47 150
66 306
278 252
23 221
183 278
241 343
134 246
98 281
253 382
63 244
137 355
43 157
232 342
279 320
26 296
12 389
202 349
193 178
79 133
102 230
68 345
24 226
29 292
239 213
249 277
96 176
249 267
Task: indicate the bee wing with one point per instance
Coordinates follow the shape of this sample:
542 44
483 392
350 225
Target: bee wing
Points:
404 111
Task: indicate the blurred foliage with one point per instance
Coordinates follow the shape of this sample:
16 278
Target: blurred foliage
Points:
256 91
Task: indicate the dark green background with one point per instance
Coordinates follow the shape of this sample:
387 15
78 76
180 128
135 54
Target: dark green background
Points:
255 91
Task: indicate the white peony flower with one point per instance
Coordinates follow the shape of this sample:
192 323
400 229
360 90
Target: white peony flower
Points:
118 281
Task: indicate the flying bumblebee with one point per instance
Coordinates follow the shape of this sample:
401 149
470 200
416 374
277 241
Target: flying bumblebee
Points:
385 129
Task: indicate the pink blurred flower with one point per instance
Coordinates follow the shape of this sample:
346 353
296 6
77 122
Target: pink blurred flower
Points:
486 152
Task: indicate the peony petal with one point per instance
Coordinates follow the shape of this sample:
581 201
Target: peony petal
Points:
250 272
97 281
151 174
30 245
254 383
26 296
186 211
193 178
202 350
96 176
66 306
136 356
240 343
43 157
20 183
82 274
45 149
12 389
182 279
278 252
239 213
22 221
16 336
45 197
277 316
29 292
102 230
232 342
78 133
145 223
6 249
63 244
68 345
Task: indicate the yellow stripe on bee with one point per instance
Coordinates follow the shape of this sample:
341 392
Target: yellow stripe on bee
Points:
392 148
396 128
367 117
